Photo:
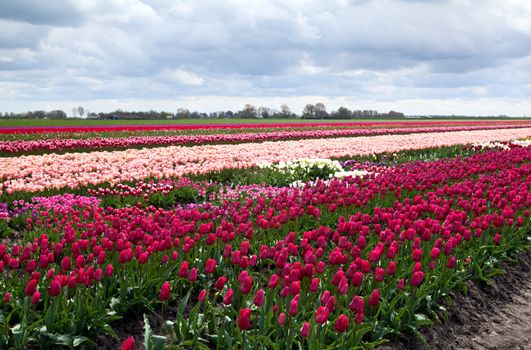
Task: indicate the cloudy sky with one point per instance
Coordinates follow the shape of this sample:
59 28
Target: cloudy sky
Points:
420 57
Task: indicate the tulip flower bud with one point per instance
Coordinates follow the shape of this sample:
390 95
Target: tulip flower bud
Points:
244 319
341 324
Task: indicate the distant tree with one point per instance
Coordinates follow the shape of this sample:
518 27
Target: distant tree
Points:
265 112
320 111
56 114
248 111
285 112
341 113
74 112
80 111
229 114
39 114
182 113
393 114
165 115
309 111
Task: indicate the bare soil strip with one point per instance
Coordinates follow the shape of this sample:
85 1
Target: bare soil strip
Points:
491 317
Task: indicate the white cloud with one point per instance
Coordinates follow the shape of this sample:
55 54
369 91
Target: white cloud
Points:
181 76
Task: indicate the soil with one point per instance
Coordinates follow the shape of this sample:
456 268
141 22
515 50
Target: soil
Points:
489 317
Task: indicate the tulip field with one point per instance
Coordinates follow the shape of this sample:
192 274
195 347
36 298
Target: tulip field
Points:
336 236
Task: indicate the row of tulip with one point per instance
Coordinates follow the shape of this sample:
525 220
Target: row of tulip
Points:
339 265
282 125
10 148
71 170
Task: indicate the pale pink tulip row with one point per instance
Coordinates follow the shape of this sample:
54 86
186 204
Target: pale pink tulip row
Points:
52 171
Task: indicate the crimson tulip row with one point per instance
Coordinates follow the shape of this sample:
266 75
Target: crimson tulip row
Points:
356 256
150 127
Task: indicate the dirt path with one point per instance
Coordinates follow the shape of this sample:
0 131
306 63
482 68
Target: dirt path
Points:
487 318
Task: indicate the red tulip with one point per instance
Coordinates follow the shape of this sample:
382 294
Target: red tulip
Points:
435 252
7 297
244 319
305 330
281 318
379 274
357 279
220 283
451 262
374 299
65 263
246 284
417 278
357 305
164 293
400 283
202 296
35 297
31 287
341 324
417 254
294 306
273 281
321 316
391 269
314 285
259 298
192 277
227 299
55 289
128 344
183 270
210 266
109 270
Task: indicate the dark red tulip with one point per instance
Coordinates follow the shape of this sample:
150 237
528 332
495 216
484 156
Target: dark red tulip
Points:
227 299
55 289
321 316
164 293
305 330
210 266
35 298
417 278
202 296
374 299
31 287
341 324
259 298
244 319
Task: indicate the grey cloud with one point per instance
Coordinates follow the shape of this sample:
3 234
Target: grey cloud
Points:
55 13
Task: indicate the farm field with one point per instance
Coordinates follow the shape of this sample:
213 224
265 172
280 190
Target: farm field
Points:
229 121
296 235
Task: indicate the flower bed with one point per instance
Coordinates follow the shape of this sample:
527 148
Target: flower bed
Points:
52 171
9 148
343 264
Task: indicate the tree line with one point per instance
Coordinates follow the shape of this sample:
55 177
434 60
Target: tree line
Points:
310 111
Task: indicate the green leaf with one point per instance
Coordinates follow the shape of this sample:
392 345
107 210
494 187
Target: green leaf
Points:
228 339
147 334
79 340
158 342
